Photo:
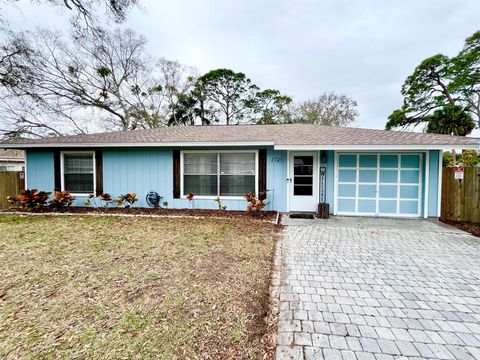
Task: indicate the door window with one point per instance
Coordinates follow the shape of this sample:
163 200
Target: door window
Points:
303 175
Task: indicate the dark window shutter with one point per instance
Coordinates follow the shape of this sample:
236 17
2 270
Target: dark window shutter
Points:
99 172
57 172
176 174
262 174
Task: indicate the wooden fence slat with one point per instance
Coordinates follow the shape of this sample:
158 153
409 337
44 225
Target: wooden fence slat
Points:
461 198
10 185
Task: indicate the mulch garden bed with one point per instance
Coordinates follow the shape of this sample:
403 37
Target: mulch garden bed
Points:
263 215
472 228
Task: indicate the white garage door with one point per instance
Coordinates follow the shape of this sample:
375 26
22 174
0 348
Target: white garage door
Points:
382 184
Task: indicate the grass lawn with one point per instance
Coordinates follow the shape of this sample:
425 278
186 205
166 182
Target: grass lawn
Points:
104 287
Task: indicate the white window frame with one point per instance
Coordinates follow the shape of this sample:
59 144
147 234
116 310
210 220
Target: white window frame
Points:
218 152
62 170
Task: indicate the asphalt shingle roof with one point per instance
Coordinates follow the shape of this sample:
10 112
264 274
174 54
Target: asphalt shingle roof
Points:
288 134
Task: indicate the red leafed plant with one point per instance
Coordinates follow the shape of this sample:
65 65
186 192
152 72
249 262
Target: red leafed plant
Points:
126 200
190 196
106 198
254 205
61 200
30 199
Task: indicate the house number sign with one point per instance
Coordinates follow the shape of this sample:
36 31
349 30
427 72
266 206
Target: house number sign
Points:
277 159
323 184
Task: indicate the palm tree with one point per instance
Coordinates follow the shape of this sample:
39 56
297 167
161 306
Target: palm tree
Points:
450 120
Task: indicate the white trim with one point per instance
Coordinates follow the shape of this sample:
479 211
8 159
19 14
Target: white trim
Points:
377 187
62 175
218 152
25 171
335 182
427 180
389 215
288 180
420 185
187 144
193 144
440 182
390 148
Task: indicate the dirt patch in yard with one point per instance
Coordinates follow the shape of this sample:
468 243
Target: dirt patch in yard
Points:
472 228
110 287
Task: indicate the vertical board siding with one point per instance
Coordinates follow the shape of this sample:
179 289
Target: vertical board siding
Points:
277 179
330 179
40 170
433 183
460 198
142 170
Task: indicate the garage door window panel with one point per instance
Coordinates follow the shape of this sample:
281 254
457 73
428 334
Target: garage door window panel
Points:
346 205
389 161
349 176
388 191
387 206
408 207
347 190
367 176
368 161
409 191
367 191
410 161
347 161
367 206
388 176
409 176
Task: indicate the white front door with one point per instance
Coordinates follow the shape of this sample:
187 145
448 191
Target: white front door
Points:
303 181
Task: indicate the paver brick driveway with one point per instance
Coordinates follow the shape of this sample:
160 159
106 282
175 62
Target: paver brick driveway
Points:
378 289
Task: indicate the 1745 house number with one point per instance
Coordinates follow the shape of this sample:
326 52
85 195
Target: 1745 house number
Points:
277 159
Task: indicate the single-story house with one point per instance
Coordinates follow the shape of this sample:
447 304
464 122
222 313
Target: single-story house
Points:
356 171
12 160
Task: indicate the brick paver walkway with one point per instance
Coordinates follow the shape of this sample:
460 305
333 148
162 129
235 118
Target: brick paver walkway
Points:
379 293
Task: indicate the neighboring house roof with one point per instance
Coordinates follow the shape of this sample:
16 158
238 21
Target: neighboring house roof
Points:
287 136
16 156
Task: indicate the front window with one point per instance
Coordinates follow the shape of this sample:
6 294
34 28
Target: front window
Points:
78 173
219 174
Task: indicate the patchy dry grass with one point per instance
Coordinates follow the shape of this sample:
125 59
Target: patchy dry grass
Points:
91 287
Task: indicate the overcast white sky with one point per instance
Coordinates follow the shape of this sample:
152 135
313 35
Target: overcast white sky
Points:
363 48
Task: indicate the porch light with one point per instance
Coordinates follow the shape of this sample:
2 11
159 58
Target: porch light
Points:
323 157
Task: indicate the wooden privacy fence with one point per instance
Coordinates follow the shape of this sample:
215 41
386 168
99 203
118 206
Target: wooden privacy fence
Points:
11 183
461 198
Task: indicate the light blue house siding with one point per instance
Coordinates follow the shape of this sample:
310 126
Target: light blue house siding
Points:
433 190
40 170
142 170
